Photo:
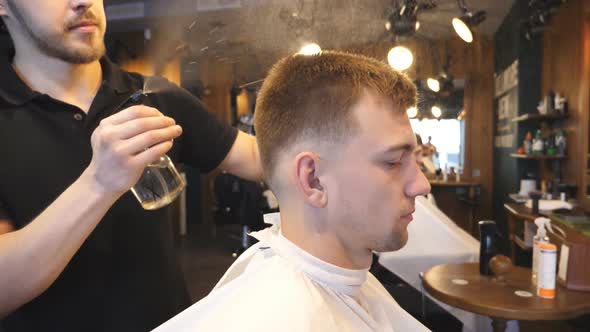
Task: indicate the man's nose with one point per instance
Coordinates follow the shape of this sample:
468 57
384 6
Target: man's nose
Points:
81 5
419 184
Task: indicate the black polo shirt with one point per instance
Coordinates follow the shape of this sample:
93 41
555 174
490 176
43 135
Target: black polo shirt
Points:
126 275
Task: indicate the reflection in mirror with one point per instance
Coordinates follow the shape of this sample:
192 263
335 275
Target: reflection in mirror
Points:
440 122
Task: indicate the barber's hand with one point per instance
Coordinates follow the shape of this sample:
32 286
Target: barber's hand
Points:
124 143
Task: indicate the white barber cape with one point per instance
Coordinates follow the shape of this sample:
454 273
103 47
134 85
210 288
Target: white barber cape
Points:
277 286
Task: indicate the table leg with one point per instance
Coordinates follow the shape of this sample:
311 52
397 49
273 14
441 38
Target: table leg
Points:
499 324
511 231
471 199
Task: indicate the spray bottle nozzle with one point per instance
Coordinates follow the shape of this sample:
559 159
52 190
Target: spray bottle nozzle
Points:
136 96
541 222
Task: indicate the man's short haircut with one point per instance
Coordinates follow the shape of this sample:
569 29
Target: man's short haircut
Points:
312 96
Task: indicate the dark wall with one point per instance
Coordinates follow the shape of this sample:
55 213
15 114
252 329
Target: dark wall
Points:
510 46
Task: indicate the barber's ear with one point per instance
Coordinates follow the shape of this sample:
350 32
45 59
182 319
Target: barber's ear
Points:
307 179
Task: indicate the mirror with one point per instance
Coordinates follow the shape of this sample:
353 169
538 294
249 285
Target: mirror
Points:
446 133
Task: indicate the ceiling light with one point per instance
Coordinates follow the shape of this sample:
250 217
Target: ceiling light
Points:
400 58
412 112
462 29
310 49
403 19
436 111
463 25
433 84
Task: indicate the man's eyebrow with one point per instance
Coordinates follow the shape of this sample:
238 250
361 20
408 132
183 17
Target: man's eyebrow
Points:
399 147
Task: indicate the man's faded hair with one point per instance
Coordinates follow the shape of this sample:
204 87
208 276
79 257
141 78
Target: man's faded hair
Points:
311 97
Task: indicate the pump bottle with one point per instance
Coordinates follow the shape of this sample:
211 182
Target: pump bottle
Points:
540 237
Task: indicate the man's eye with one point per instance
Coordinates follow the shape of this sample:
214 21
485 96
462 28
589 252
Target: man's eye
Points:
392 163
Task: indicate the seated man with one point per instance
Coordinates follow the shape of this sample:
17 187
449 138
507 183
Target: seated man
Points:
336 148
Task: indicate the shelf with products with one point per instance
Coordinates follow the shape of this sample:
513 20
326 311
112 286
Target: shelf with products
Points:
549 139
533 156
545 142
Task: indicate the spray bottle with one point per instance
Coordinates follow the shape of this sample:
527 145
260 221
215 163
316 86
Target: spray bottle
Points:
540 237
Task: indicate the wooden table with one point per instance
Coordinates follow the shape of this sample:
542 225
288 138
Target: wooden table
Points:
487 296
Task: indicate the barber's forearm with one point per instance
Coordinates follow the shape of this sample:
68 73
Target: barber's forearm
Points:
253 169
243 159
32 258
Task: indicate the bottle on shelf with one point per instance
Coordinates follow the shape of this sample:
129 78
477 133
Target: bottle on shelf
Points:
528 143
538 143
458 173
560 142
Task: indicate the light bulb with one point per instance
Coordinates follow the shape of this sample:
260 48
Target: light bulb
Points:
436 111
433 84
462 30
310 49
400 58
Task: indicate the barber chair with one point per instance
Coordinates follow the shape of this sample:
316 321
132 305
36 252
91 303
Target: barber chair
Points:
239 202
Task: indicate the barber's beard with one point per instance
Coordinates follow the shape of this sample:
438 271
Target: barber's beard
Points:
56 45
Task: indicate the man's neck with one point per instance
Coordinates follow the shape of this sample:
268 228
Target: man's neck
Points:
75 84
322 243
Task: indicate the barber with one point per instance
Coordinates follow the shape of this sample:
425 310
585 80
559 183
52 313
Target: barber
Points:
77 251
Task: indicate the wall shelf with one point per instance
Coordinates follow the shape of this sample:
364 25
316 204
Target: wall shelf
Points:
537 157
538 117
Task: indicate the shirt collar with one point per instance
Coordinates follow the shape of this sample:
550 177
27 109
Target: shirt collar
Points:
16 92
12 89
337 278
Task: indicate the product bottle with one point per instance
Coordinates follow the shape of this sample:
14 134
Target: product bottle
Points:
528 143
487 249
546 271
540 237
538 145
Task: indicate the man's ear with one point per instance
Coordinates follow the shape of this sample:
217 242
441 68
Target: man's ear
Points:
307 179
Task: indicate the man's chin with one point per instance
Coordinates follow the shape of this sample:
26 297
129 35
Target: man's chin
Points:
393 244
81 55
